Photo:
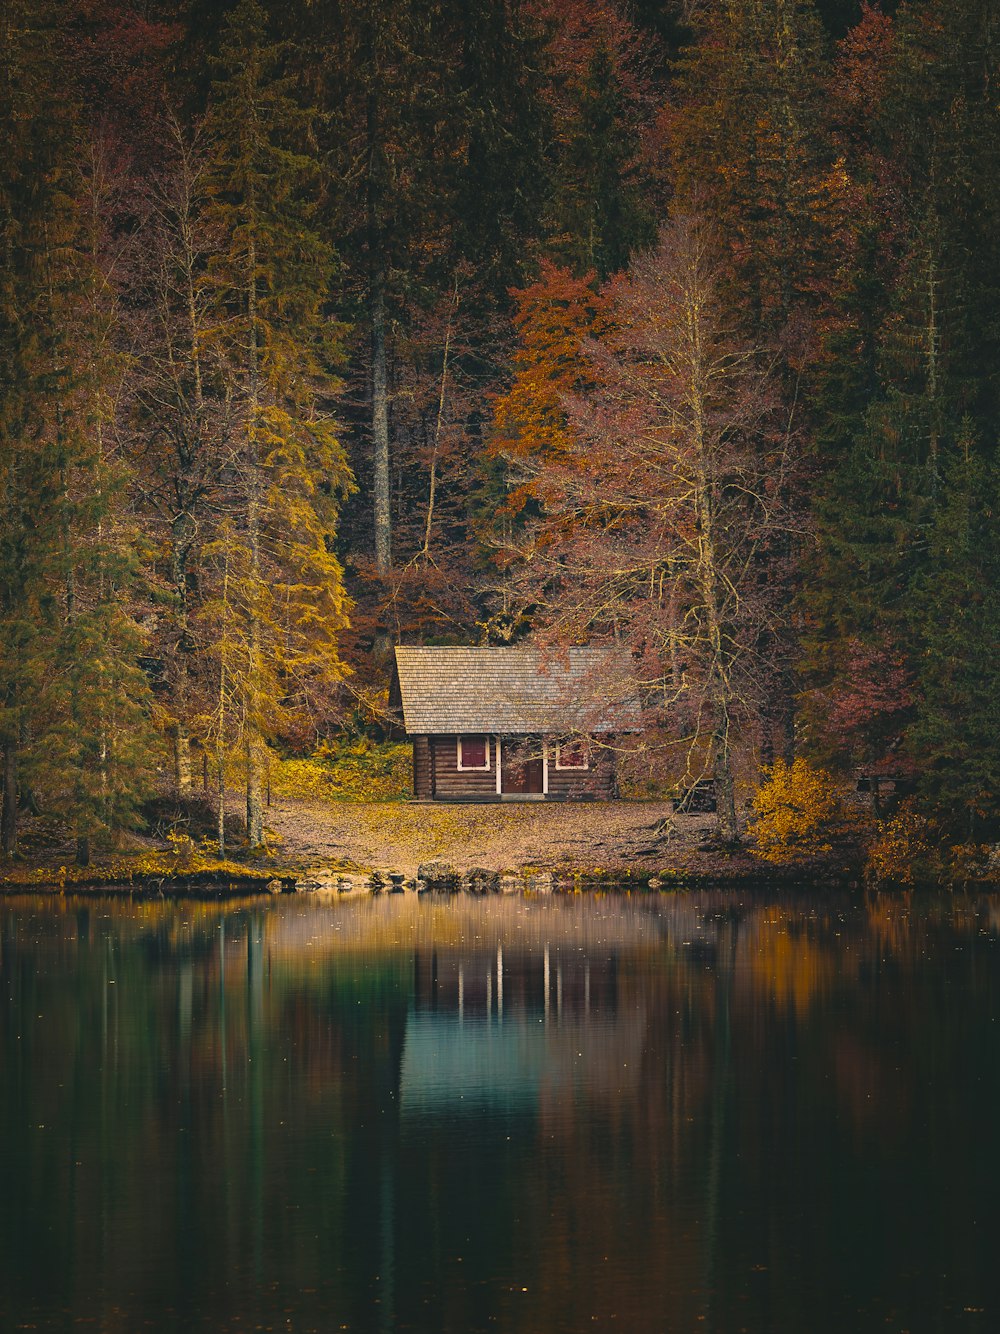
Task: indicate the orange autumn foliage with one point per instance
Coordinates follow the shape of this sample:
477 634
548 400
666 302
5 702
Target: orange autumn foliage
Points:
555 317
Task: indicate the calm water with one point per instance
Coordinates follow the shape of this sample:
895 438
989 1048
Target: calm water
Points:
692 1112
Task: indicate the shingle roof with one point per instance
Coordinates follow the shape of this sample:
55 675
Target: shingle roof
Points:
512 691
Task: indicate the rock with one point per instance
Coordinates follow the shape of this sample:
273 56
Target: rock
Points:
511 884
539 882
396 879
344 884
481 881
438 875
276 887
301 886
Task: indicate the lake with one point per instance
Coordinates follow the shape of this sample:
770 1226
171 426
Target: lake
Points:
698 1111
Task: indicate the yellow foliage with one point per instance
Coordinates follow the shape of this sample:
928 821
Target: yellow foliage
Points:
907 852
359 771
799 812
902 854
174 863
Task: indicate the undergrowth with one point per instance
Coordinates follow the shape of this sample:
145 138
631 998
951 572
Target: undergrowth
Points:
359 770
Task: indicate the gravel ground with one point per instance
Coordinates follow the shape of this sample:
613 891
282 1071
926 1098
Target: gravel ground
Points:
609 836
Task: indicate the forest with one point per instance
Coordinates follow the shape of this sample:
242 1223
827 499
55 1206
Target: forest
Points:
327 325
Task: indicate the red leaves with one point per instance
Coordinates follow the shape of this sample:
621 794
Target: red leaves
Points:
874 690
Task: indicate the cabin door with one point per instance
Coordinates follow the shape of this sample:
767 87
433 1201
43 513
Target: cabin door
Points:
522 769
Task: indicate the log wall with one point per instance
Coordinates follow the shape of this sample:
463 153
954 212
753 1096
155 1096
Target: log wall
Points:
436 774
452 782
423 776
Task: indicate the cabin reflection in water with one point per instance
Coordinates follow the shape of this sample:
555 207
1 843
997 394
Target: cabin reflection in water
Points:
505 1032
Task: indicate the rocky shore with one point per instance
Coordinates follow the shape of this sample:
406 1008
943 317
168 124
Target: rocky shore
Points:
345 848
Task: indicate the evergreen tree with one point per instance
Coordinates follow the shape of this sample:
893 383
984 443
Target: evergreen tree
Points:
33 147
749 149
601 97
271 278
955 739
910 380
75 698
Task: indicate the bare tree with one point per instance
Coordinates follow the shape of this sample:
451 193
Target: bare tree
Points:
664 519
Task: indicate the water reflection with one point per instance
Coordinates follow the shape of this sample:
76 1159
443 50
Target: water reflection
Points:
701 1111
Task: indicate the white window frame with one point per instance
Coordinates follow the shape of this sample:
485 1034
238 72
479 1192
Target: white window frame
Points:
473 768
574 768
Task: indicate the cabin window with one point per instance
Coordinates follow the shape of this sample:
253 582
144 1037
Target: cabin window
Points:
573 754
473 752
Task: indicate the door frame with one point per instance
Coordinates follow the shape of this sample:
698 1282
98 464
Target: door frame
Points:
523 796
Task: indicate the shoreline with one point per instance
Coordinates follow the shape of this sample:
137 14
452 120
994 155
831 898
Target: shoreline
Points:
340 848
317 846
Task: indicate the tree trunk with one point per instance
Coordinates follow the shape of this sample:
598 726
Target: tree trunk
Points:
182 759
376 193
220 812
380 431
8 818
255 800
432 487
251 720
708 575
725 796
220 735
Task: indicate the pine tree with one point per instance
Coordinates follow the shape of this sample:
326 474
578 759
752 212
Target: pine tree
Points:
271 278
955 739
749 149
74 695
598 87
93 710
910 378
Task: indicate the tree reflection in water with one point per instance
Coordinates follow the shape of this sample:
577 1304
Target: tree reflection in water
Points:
698 1111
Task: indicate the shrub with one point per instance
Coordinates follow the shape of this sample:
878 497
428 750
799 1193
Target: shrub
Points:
909 851
359 771
799 813
903 853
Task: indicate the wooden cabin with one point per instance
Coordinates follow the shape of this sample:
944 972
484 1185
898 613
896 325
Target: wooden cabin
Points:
527 724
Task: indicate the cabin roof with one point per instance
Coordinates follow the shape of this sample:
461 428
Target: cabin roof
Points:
514 691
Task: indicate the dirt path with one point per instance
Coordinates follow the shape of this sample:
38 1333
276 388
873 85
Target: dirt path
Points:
610 836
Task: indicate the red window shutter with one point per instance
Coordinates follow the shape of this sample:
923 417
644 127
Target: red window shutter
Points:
474 752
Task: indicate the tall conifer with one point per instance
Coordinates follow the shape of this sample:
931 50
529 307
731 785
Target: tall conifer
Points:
271 277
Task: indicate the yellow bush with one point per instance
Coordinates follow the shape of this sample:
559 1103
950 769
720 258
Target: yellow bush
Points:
799 811
308 780
909 850
902 854
360 771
